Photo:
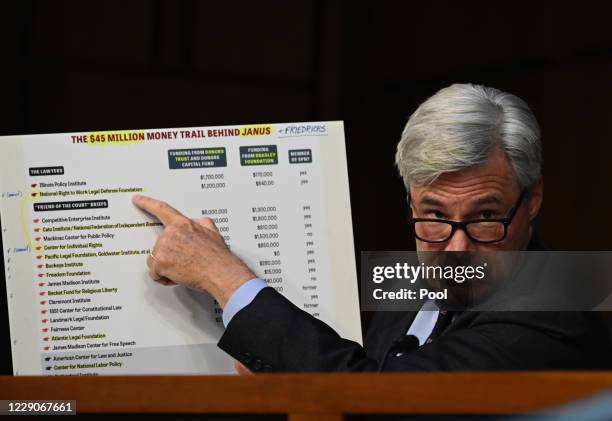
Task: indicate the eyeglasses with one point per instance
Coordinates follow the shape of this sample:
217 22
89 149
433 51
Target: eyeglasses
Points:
492 230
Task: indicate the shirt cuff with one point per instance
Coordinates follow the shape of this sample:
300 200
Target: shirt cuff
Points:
241 298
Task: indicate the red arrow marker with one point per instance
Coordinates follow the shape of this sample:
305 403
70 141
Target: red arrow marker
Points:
42 293
39 266
46 339
45 330
34 194
37 239
41 284
46 348
37 229
45 320
33 185
43 311
43 303
40 275
36 221
39 257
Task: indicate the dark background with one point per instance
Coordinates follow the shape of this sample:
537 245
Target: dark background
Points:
82 65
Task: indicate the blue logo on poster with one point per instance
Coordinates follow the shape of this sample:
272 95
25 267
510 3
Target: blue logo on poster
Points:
296 130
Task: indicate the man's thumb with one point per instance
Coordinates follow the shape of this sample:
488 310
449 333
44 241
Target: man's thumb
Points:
207 223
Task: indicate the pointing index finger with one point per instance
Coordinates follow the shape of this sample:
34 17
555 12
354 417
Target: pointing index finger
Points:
161 210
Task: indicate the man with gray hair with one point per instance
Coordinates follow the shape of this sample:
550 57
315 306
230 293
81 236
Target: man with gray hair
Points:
471 159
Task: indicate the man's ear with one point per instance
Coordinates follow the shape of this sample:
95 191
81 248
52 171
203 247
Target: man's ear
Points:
536 196
409 201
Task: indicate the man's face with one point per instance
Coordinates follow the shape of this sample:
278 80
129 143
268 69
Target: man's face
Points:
488 190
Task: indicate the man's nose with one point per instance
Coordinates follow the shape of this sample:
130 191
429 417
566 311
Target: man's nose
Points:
459 242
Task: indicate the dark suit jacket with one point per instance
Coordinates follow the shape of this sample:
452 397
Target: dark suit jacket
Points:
272 334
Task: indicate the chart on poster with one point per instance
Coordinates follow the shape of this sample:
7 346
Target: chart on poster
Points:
79 297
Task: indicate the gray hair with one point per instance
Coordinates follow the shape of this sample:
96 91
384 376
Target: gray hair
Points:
457 128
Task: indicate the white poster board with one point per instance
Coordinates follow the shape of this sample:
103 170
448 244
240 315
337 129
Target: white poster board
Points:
80 300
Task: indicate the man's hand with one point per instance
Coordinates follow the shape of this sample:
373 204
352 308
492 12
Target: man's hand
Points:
192 253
